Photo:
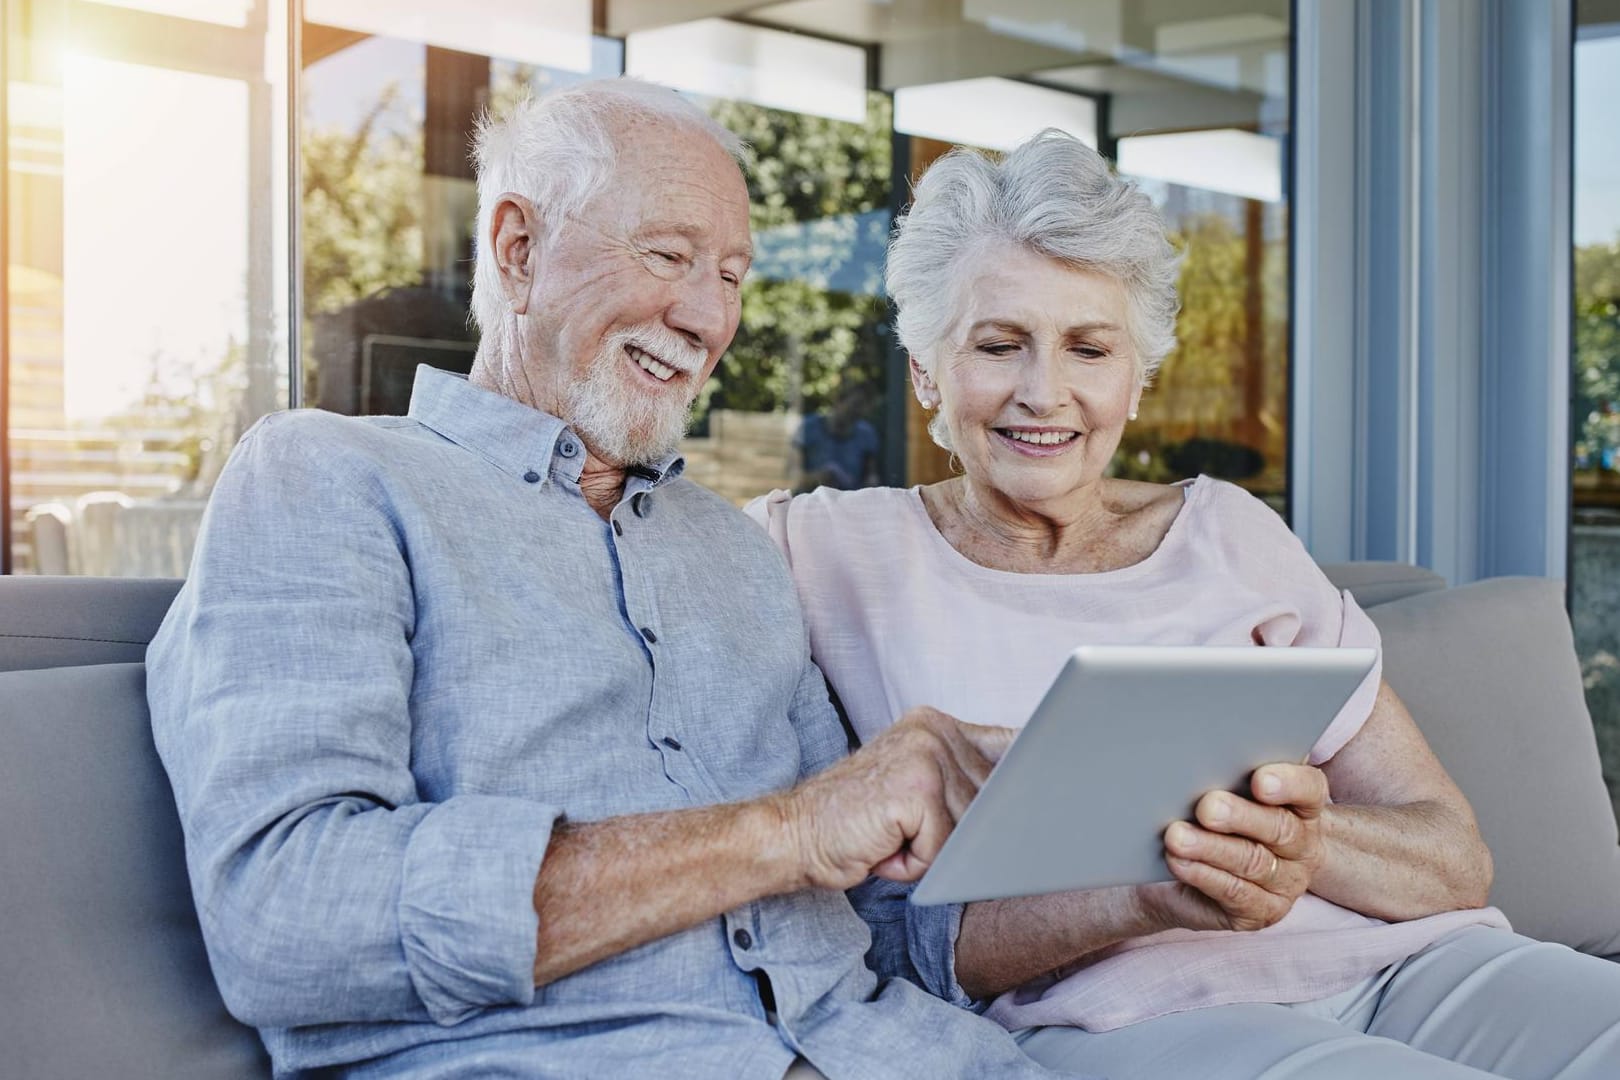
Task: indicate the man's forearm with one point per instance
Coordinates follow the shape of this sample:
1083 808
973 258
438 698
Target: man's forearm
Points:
1402 862
608 886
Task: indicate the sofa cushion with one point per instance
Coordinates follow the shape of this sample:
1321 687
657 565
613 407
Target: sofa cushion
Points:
102 966
1373 583
1489 673
59 621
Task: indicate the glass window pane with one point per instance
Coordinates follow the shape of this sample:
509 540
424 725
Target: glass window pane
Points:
147 275
390 97
224 12
798 400
1595 546
1192 103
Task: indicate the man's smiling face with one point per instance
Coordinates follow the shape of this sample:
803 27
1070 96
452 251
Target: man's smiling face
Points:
633 299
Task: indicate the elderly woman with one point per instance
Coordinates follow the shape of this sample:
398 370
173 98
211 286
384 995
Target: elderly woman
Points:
1329 925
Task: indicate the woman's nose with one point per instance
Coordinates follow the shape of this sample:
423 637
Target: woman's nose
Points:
1040 384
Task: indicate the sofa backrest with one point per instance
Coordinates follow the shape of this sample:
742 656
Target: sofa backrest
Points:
102 966
1373 583
70 621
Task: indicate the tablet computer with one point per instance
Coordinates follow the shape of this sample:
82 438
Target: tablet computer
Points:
1125 742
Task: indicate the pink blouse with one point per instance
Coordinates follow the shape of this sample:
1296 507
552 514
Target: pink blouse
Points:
899 618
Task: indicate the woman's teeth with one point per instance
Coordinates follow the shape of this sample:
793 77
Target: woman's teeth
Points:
1040 438
660 371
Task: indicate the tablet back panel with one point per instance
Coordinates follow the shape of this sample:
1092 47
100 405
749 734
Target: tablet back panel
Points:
1124 743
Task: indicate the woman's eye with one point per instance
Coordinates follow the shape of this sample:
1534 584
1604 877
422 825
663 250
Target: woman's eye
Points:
1091 352
998 348
668 256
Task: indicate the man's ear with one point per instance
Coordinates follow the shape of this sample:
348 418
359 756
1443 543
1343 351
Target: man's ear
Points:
923 384
514 238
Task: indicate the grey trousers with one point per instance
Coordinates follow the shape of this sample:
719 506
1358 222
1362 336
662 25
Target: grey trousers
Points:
1477 1003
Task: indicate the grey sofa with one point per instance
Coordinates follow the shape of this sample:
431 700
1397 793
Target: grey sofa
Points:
103 971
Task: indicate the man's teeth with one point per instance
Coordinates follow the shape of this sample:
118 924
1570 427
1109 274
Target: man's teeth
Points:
1040 438
660 371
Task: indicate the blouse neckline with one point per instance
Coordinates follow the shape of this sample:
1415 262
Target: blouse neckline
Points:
1193 492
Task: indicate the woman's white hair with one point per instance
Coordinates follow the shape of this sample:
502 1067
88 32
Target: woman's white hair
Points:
558 151
1053 195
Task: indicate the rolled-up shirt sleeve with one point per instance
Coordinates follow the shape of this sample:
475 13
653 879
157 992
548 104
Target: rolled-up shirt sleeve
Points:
328 889
910 941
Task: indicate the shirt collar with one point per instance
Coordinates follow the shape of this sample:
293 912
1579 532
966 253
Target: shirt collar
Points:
513 437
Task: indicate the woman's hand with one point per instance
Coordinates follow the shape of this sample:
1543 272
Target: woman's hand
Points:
1245 862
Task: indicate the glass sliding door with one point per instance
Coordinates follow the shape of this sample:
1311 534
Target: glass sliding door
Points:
146 286
1595 412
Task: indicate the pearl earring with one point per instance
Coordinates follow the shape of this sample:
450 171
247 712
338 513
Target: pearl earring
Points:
1132 415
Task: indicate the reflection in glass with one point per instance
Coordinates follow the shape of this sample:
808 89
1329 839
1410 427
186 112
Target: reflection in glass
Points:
390 101
1595 545
792 401
1220 402
1190 100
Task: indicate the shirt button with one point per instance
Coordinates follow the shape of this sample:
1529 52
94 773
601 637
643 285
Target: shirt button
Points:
672 742
568 448
652 638
743 938
531 477
641 503
618 530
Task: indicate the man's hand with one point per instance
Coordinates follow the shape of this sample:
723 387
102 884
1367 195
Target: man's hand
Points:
888 808
1244 863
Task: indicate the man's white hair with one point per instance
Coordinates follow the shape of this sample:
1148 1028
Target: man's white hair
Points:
558 151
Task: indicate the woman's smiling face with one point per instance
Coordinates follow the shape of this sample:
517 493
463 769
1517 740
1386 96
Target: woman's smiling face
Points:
1037 378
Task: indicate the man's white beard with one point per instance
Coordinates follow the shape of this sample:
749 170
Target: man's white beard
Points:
625 424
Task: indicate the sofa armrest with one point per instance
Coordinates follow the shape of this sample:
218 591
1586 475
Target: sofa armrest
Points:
1490 674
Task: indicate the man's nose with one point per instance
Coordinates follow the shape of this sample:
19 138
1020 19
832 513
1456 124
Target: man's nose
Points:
705 308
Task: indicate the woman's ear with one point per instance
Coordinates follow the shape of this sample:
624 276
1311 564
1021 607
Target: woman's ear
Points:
514 237
923 384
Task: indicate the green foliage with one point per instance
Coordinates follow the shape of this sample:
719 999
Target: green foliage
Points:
798 339
1197 385
1199 393
1597 354
362 228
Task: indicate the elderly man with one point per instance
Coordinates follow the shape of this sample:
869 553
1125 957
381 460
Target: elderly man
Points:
497 744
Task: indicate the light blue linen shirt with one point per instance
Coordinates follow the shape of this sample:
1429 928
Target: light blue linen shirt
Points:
406 649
